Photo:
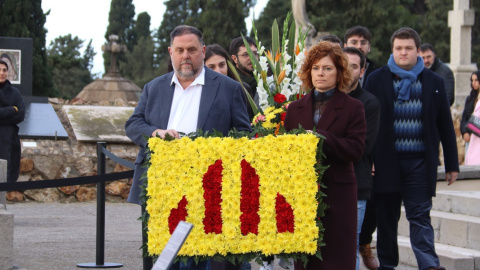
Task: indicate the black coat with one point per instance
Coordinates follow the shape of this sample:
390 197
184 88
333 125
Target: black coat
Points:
468 110
363 168
437 127
9 141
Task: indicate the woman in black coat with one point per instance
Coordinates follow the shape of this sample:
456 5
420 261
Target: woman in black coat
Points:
469 106
12 112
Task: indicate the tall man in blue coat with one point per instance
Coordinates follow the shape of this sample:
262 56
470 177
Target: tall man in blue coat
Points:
414 118
189 98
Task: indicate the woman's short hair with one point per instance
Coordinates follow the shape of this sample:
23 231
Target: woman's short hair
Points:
215 49
340 60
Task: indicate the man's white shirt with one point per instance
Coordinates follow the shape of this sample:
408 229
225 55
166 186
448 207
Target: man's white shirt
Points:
186 104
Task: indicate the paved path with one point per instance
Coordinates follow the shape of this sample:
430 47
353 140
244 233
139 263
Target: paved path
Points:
58 236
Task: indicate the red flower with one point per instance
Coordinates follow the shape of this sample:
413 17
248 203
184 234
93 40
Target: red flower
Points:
282 116
299 96
249 202
212 186
279 98
177 214
285 218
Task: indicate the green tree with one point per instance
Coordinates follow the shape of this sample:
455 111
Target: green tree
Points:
138 65
275 9
120 23
223 20
70 70
177 12
219 20
25 18
434 27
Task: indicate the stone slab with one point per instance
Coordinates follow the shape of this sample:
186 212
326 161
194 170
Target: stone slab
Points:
450 257
466 172
41 122
6 239
458 202
99 123
450 229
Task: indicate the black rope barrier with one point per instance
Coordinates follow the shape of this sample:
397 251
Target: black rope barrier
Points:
84 180
118 160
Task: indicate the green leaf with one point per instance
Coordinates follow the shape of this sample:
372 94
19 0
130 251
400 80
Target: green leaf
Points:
237 78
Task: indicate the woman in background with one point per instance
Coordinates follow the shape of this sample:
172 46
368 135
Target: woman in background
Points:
216 59
472 107
341 119
12 112
470 103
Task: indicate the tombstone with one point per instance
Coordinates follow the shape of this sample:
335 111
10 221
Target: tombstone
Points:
460 20
99 123
6 225
112 86
18 53
41 122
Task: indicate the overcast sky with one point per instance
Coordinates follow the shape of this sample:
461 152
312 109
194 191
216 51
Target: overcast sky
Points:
88 19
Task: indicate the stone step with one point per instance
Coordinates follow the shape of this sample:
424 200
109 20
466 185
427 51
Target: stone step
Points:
451 229
458 202
450 256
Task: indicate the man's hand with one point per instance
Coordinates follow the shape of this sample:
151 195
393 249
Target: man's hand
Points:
451 177
466 137
162 132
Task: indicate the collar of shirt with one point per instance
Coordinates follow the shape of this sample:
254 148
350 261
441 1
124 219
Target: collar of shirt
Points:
199 80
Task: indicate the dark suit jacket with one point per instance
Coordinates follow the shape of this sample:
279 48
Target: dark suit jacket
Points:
437 126
222 107
343 125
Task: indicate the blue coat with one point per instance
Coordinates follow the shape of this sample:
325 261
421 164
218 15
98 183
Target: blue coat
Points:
222 107
437 127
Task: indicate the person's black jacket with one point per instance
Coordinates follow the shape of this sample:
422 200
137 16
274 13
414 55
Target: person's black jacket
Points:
363 168
9 118
371 66
446 73
468 110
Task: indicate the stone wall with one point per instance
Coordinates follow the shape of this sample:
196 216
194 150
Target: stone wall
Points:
69 158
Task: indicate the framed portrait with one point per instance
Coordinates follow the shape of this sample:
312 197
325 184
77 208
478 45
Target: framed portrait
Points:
13 58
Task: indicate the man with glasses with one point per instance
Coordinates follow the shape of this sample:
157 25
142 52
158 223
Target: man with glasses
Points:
242 61
359 37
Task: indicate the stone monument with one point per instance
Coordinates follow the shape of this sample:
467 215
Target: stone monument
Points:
460 20
302 22
6 225
112 86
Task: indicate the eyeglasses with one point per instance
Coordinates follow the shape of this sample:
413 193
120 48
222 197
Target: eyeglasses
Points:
355 42
245 55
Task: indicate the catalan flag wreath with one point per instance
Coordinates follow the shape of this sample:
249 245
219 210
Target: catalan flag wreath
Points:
245 197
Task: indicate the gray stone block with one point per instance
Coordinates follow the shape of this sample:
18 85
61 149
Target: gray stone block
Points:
3 179
6 240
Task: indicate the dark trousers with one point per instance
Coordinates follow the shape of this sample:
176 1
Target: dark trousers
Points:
417 201
369 223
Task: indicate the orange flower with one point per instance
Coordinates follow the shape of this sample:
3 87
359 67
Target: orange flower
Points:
297 49
281 76
269 55
277 56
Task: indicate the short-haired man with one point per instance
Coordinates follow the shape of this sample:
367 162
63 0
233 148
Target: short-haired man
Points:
242 61
363 168
432 62
359 37
414 118
189 98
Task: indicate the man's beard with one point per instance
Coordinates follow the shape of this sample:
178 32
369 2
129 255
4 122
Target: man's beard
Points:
187 75
244 69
